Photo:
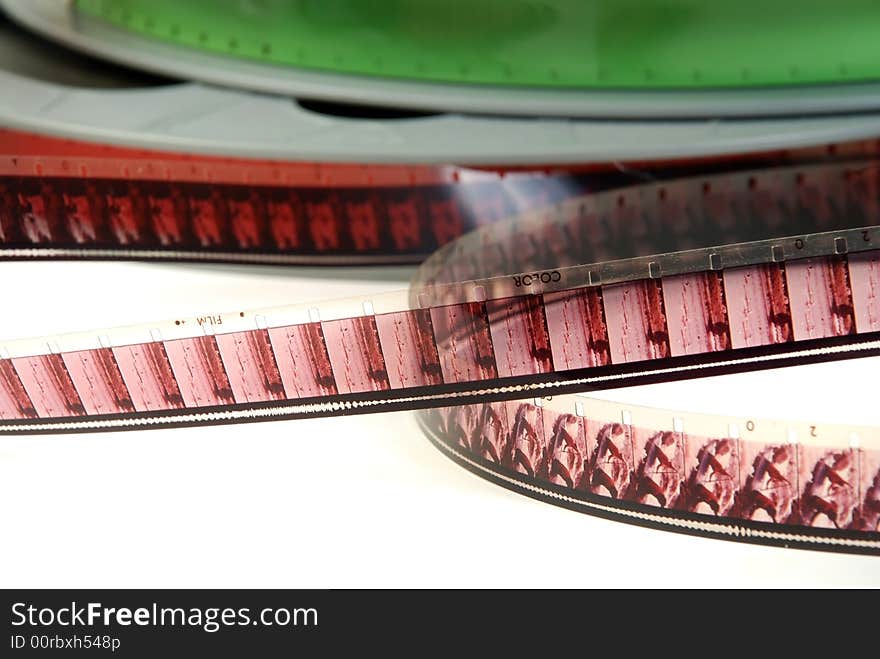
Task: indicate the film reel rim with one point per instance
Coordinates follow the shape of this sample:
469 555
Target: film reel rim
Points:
55 19
492 142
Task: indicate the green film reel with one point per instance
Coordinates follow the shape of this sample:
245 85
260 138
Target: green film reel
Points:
567 44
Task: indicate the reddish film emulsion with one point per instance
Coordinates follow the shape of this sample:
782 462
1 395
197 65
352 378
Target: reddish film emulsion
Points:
864 277
770 488
711 475
303 362
820 197
14 400
127 214
767 202
671 209
356 355
821 298
461 426
364 224
98 381
612 461
448 221
247 218
867 517
862 194
286 219
636 321
829 487
9 214
37 214
47 382
85 214
577 329
530 440
250 366
198 369
168 215
492 439
520 338
464 342
568 452
718 477
404 223
758 306
659 472
483 430
410 353
324 224
696 313
713 211
209 217
148 377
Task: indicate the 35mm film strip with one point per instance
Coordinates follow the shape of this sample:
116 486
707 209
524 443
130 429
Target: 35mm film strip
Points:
574 279
73 199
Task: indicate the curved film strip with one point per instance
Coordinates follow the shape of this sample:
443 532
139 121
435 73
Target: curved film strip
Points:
760 481
621 278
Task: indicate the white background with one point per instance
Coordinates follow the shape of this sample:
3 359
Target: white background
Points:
345 502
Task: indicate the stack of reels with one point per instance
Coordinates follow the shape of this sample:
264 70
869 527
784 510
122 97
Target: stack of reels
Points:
600 194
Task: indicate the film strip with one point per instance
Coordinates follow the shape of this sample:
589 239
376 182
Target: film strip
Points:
71 199
621 279
90 201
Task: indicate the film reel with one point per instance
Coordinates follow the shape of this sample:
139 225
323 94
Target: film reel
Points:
570 59
617 264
